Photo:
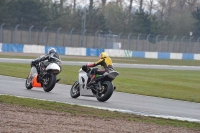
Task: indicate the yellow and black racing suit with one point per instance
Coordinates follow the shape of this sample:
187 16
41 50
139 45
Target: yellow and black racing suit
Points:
106 64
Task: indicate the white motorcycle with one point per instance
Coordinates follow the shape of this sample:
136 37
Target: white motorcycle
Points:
102 89
47 78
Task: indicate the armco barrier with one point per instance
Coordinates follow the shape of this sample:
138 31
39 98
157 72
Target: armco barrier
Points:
12 47
163 55
188 56
0 47
118 53
95 52
34 49
75 51
153 55
60 50
196 56
138 54
176 56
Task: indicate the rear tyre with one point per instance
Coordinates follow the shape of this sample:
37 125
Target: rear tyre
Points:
28 84
75 90
106 92
49 82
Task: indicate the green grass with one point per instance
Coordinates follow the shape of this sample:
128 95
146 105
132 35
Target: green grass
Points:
79 110
173 84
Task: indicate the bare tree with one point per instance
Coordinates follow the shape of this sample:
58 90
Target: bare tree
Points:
119 2
170 5
103 2
61 5
91 5
74 6
130 7
181 3
191 4
150 5
140 3
161 6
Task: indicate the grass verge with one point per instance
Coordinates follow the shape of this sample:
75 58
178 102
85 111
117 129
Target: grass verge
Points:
173 84
115 59
79 110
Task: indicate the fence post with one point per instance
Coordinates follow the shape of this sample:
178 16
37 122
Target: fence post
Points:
57 35
157 41
83 38
119 36
138 38
129 39
106 38
95 38
1 38
43 30
29 40
15 34
198 39
181 43
191 44
165 39
157 38
148 41
70 40
173 43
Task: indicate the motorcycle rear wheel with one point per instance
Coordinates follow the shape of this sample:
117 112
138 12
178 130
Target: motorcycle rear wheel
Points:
49 82
75 91
106 93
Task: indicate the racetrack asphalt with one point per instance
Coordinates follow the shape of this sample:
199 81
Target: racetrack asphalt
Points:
123 102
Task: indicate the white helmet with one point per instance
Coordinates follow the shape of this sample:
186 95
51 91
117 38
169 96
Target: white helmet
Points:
51 50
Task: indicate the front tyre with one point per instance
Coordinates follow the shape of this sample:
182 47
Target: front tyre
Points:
75 90
28 84
49 82
106 93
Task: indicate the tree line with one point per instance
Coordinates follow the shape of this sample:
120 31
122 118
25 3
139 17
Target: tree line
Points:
163 17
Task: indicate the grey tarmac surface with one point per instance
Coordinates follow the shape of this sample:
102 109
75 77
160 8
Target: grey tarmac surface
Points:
123 102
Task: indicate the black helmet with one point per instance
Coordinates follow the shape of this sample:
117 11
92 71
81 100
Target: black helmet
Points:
51 50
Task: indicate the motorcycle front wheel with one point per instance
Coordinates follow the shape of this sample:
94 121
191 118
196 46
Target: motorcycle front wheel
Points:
106 91
49 82
28 84
75 90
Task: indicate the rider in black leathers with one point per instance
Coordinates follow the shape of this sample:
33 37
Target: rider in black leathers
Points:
51 56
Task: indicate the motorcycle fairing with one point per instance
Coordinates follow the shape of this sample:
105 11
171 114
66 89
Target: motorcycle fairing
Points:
33 75
35 83
111 74
83 79
53 66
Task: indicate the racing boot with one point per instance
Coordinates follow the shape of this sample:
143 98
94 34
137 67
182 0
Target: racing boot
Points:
92 81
